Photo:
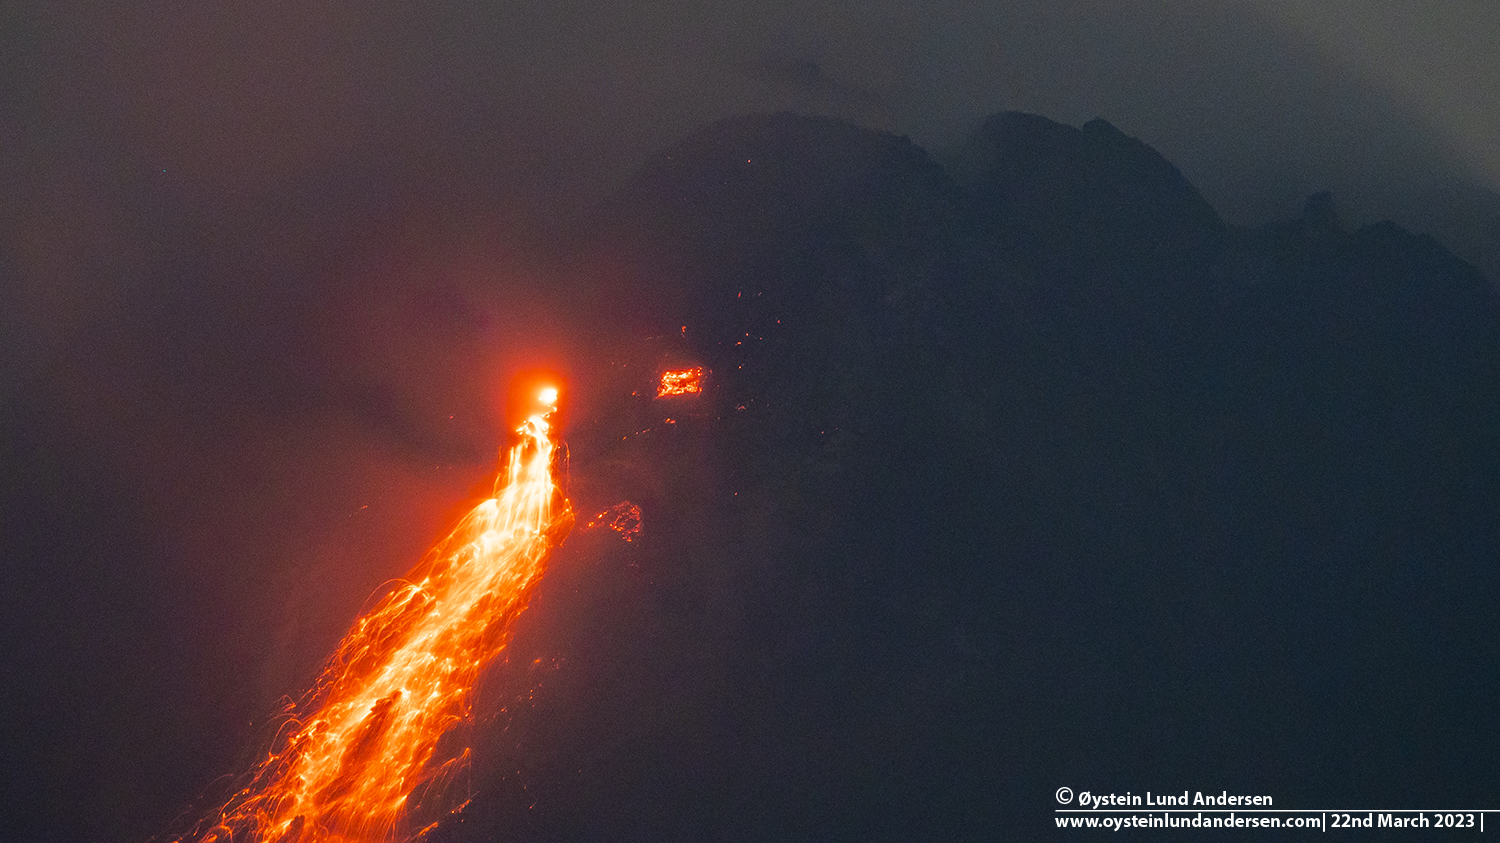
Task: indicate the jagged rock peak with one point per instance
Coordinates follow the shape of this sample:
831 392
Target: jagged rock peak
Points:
1021 165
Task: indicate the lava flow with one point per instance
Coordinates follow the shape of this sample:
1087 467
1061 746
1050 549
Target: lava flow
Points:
364 752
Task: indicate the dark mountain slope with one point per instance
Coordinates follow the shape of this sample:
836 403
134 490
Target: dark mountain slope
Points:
1054 480
1101 218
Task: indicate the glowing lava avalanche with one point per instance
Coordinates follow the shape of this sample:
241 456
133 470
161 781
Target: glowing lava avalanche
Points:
364 752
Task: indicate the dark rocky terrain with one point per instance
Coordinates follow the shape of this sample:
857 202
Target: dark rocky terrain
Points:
1021 473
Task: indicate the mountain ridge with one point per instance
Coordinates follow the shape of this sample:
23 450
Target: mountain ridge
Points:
977 504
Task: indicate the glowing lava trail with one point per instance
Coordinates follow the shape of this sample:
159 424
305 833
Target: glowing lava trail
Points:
364 753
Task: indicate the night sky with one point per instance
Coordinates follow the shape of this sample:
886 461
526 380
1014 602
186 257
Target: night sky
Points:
270 270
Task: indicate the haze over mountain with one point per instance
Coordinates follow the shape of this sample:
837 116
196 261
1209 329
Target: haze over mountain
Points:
1062 461
132 129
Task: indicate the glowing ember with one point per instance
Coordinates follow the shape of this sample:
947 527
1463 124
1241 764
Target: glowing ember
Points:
680 382
362 755
624 518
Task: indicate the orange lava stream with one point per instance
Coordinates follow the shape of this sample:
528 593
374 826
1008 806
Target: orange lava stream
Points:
367 751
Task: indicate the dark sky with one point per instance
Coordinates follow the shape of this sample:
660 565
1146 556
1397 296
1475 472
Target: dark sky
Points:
264 267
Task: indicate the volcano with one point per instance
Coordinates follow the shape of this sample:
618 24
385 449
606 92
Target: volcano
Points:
912 489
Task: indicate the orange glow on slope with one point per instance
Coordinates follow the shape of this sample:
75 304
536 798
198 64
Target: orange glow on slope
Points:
365 749
624 518
680 382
